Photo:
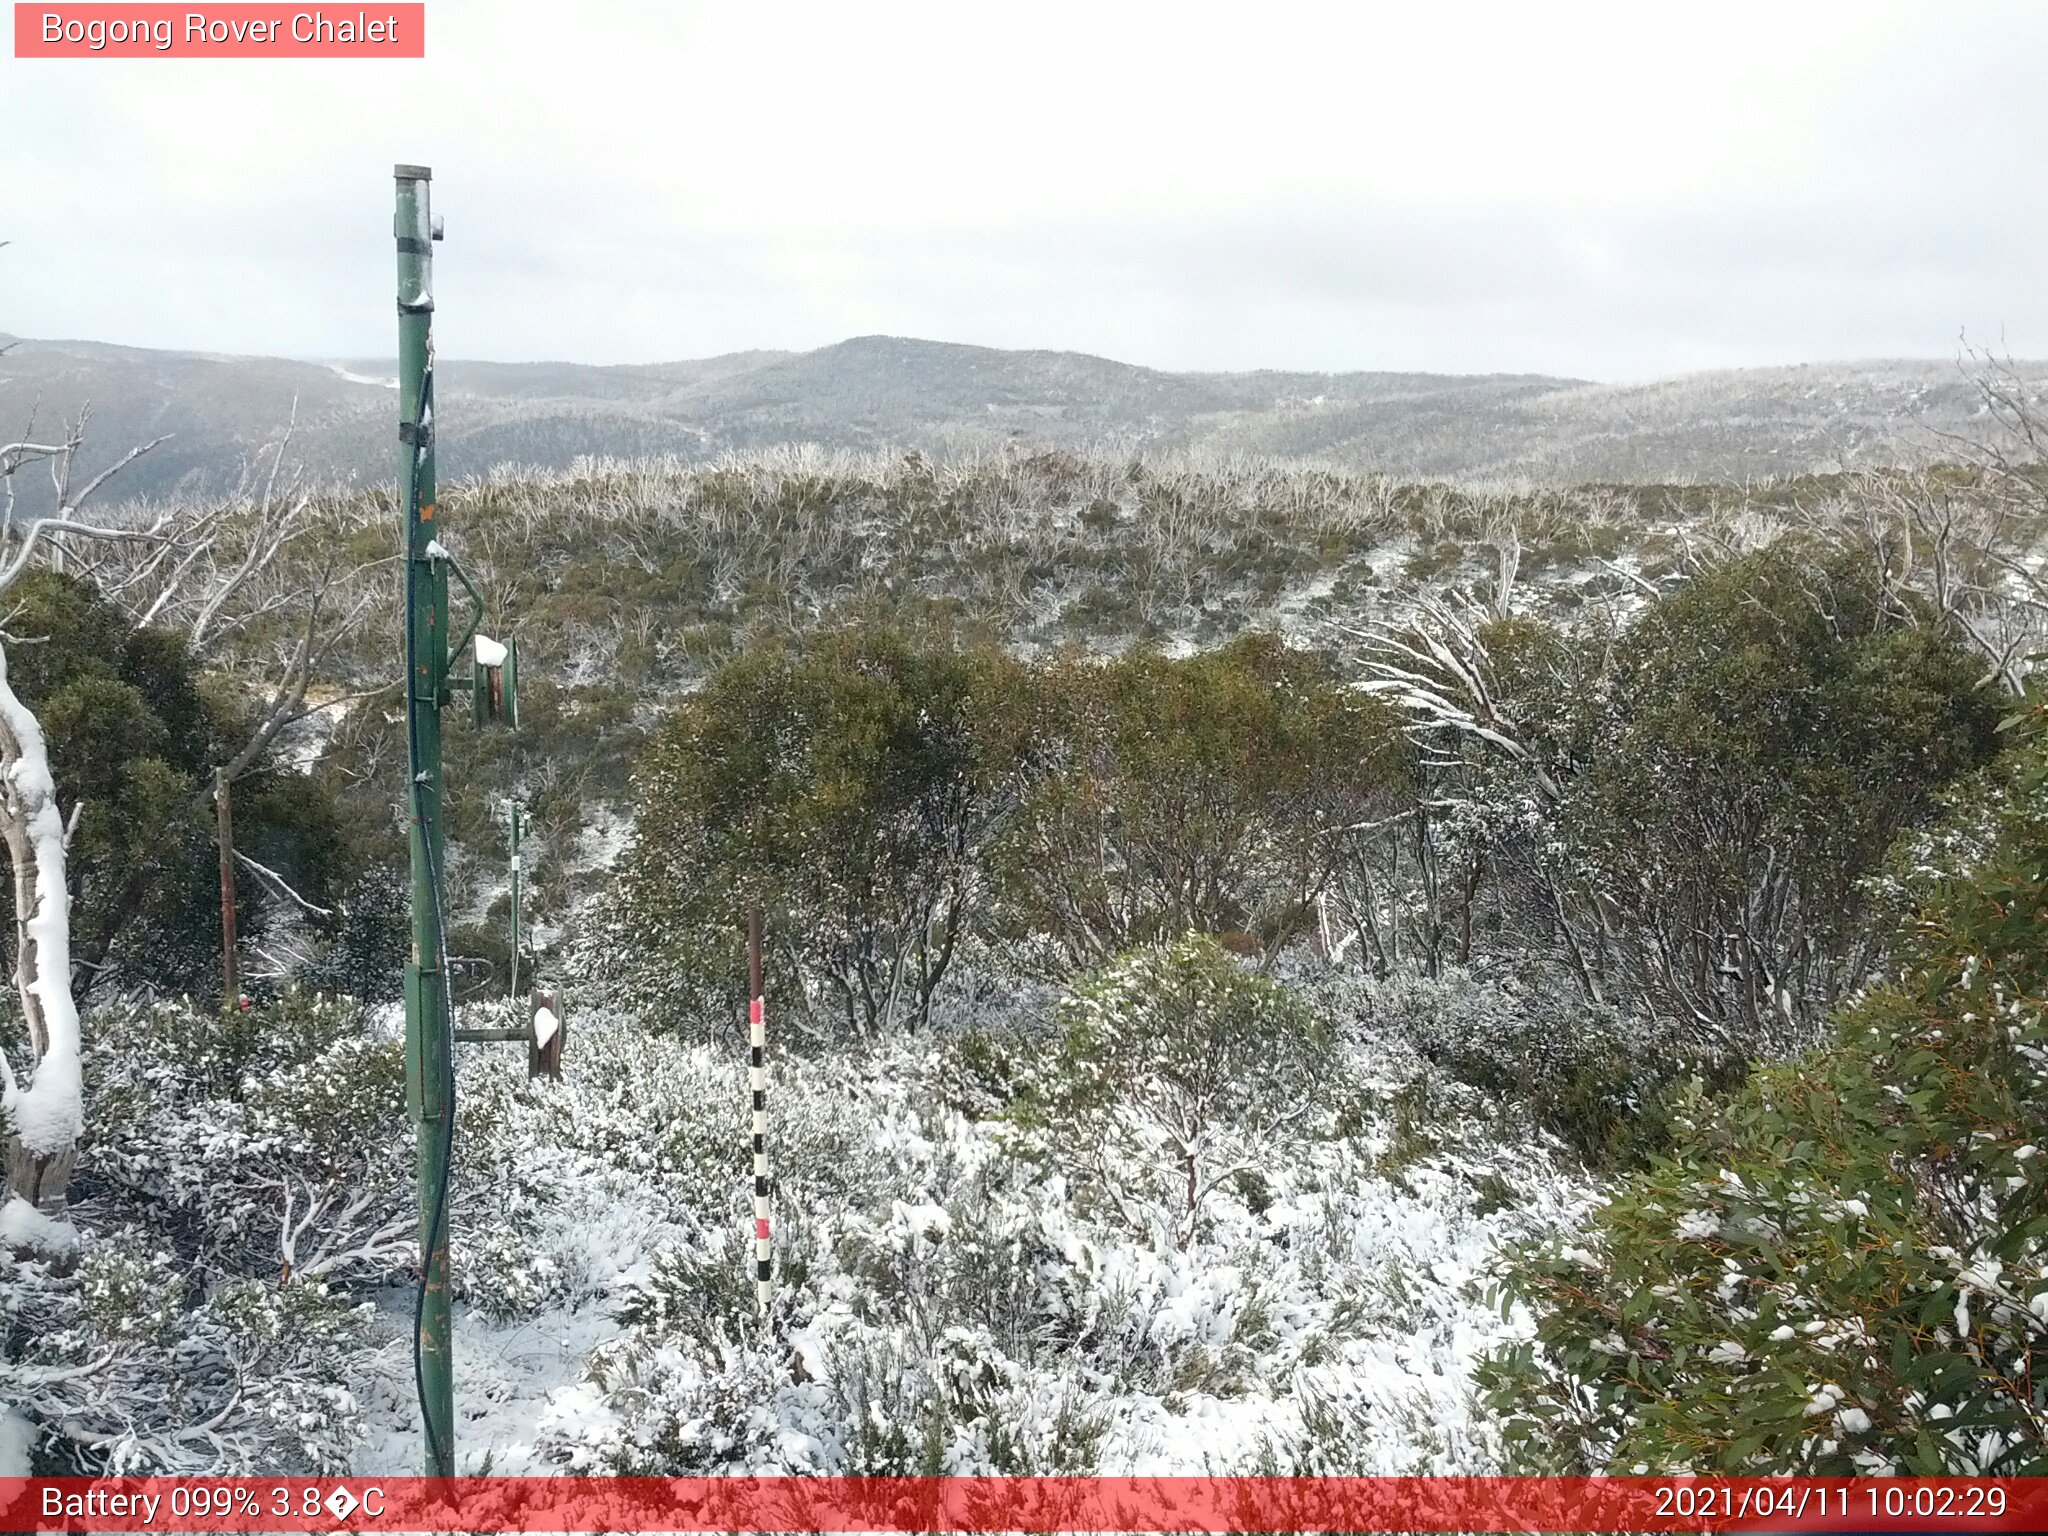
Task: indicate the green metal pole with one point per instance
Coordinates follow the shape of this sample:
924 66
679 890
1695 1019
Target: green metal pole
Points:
428 1048
512 806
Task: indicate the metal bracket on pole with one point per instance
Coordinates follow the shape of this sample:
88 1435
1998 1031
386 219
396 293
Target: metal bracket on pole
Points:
476 615
543 1035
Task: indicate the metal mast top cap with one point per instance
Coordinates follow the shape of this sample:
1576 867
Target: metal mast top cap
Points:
412 173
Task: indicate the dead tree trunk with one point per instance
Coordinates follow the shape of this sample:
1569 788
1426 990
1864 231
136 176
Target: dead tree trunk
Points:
43 1115
224 835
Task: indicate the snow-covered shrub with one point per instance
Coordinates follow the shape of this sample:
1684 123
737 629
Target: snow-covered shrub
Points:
129 1363
895 1368
555 1180
502 1272
947 1300
1178 1069
269 1141
238 1170
879 1404
695 1291
900 1232
647 1409
1842 1267
959 1406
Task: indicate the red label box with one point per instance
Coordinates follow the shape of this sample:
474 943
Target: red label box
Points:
238 31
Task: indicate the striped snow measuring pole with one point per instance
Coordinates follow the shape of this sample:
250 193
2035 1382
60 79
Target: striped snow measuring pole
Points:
757 1075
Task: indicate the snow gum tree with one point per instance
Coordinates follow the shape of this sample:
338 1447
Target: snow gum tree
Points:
43 1115
197 571
43 1110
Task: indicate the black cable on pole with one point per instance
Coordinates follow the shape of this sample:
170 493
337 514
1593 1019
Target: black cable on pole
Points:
438 1219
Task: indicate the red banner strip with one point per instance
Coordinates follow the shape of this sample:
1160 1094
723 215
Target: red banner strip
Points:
1250 1504
377 30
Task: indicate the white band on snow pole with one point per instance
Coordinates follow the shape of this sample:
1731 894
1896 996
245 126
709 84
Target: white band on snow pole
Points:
757 1075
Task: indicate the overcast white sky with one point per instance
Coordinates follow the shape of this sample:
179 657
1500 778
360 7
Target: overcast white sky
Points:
1613 192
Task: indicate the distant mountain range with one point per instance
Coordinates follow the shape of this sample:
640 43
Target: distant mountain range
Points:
890 392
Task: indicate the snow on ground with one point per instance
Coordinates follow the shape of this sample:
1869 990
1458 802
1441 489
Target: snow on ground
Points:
505 1374
17 1439
1330 1324
606 832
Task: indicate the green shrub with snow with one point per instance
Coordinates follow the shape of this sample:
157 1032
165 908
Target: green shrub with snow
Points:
126 1361
1178 1069
269 1141
1598 1078
1843 1267
244 1177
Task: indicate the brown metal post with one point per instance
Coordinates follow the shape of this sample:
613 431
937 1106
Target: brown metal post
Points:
224 828
754 953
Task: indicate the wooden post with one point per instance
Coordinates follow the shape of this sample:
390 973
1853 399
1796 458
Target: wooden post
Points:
224 830
512 810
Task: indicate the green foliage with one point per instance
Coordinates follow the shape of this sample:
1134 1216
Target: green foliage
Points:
887 798
1844 1266
846 789
134 730
575 746
1176 1069
1764 734
129 733
1209 794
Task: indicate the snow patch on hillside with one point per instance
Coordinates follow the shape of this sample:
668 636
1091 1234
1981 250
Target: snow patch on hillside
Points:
362 378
